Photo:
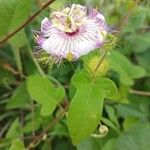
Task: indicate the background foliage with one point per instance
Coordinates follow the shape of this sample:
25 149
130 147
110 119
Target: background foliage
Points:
126 113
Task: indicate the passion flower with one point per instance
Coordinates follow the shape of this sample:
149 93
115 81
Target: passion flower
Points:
72 32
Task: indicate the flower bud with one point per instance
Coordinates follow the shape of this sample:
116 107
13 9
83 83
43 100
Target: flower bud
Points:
103 130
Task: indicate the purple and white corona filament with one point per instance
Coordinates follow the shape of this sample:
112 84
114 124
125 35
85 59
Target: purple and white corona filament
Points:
72 32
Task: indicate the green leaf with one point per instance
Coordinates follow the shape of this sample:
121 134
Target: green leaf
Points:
46 146
142 42
60 130
57 4
136 21
110 124
36 122
111 113
89 144
19 40
126 70
122 94
13 13
30 123
42 91
29 126
4 143
110 144
137 138
107 86
130 110
129 122
14 130
86 107
20 98
17 145
143 60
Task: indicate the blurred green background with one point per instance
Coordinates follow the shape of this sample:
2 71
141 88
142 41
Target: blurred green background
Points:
127 114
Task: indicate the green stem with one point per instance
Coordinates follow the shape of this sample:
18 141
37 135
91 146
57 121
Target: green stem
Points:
41 72
100 62
38 66
38 138
54 80
33 118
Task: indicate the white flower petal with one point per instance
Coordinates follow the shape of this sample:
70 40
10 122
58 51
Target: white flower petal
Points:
100 16
45 25
87 37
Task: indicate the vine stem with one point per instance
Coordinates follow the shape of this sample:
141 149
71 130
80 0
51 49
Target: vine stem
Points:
26 22
100 62
54 121
137 92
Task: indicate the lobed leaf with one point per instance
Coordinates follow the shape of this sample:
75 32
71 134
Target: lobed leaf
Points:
42 91
86 107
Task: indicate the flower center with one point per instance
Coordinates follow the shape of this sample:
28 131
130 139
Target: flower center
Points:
72 33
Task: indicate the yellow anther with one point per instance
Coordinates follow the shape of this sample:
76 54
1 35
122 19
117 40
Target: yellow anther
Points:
70 56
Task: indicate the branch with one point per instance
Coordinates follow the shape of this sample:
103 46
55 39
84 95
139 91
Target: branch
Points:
142 93
54 121
26 22
33 118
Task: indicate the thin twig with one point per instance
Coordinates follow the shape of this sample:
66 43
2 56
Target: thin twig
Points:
5 96
33 122
5 128
54 121
22 123
137 92
13 71
26 22
125 19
